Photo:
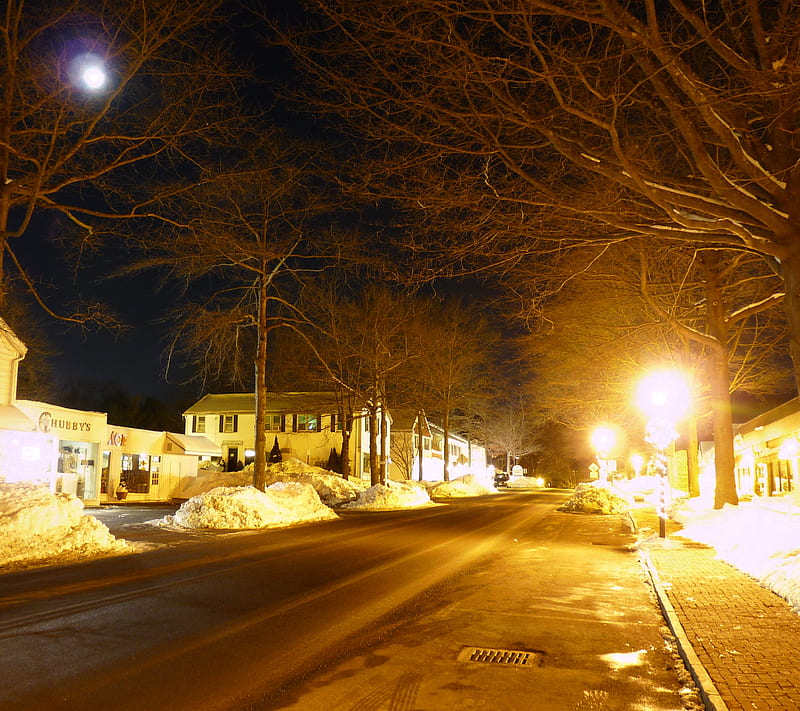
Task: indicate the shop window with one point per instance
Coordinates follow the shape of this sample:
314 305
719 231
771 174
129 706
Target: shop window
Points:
228 423
136 473
199 424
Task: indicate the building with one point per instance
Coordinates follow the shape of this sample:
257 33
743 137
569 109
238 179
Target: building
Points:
80 453
306 426
464 455
767 451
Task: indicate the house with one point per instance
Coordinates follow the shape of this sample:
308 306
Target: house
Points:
306 425
464 455
767 451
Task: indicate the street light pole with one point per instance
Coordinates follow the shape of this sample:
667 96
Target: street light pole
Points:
664 397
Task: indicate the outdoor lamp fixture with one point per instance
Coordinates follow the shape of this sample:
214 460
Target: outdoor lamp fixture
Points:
603 440
663 396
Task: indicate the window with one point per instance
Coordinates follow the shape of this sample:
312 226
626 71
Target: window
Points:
336 423
199 423
155 470
228 423
307 423
274 423
136 473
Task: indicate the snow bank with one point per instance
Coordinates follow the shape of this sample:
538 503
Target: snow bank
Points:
597 498
523 482
245 507
760 538
391 496
468 485
332 488
36 526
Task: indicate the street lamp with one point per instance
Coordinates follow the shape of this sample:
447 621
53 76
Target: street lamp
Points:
663 396
603 440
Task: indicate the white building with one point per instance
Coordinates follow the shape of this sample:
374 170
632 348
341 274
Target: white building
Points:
78 452
306 425
767 450
427 463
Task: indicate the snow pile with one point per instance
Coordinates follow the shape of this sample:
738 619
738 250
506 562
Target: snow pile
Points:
331 487
36 525
468 485
245 507
391 496
523 482
597 498
760 537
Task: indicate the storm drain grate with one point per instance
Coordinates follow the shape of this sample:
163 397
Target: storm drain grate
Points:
506 657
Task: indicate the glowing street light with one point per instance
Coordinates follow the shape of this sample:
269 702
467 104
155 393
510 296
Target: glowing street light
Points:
603 440
664 397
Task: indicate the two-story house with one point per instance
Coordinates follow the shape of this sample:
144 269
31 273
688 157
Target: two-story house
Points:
306 425
423 460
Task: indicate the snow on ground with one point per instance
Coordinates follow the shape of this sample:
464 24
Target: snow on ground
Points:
391 496
597 498
37 527
760 537
245 507
469 485
331 487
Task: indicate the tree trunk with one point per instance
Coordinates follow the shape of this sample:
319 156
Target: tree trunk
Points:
446 444
374 472
384 446
347 429
260 463
719 381
692 448
420 445
790 270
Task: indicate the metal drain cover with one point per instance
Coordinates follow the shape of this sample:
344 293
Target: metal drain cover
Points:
506 657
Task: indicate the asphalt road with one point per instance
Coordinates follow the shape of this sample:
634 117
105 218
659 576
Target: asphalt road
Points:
311 617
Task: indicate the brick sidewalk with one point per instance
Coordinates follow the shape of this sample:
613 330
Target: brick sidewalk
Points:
745 636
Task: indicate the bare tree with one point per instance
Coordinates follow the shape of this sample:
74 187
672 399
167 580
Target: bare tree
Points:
248 242
537 120
714 312
455 345
99 99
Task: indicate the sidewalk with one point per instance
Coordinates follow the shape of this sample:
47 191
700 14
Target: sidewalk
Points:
740 640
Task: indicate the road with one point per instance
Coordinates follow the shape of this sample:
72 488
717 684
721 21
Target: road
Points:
305 618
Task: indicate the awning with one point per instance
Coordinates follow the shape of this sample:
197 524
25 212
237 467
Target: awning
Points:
190 444
12 418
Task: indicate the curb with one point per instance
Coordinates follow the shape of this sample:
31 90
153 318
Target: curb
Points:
712 699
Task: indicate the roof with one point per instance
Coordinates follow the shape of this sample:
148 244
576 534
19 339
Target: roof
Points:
12 418
285 403
776 413
12 339
191 444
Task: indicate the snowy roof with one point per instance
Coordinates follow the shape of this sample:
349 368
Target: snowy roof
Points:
192 444
12 418
293 402
12 339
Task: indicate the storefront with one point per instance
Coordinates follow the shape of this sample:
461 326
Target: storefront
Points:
143 465
25 453
69 447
